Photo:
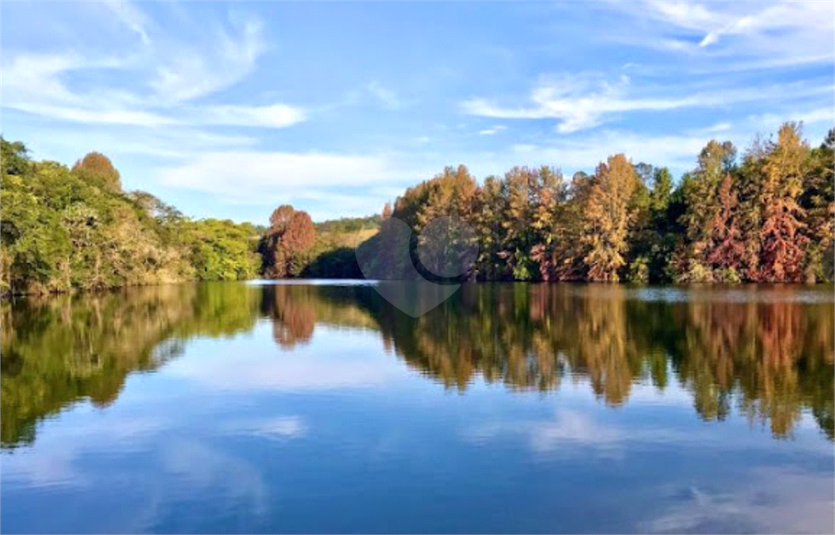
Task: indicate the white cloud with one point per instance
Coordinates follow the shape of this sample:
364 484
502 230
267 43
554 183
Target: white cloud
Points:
177 143
492 130
132 17
34 83
585 152
774 500
255 173
808 117
187 73
278 427
38 83
716 128
573 426
681 13
32 78
271 116
93 116
360 364
570 432
805 27
583 101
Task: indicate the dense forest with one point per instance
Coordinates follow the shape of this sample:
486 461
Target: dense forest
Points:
64 229
766 216
763 216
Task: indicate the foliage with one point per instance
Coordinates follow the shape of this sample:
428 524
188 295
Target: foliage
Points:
65 229
608 217
283 247
769 218
97 169
349 224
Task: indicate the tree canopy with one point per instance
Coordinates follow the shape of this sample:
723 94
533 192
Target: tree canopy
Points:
764 216
65 229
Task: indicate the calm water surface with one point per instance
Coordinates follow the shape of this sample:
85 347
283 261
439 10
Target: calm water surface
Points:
509 408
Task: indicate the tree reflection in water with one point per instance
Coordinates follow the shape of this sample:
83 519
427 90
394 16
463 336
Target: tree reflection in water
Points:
768 351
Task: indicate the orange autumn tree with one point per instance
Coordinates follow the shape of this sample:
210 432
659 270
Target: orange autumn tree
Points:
726 249
782 239
608 217
709 210
291 233
96 168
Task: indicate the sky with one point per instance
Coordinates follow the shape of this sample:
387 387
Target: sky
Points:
230 109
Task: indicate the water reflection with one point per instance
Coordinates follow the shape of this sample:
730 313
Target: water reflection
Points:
771 350
57 351
766 351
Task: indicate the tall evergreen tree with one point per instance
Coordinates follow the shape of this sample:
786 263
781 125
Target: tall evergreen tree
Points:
701 191
608 217
782 240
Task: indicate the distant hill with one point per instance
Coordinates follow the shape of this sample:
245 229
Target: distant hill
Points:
349 224
333 255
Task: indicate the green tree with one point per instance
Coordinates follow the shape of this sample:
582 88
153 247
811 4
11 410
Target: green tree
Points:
63 230
818 201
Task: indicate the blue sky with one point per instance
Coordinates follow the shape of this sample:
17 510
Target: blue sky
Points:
229 110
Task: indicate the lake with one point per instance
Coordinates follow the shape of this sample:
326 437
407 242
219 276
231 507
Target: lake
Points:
320 407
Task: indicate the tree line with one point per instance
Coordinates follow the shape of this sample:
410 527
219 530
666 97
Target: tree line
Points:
764 217
75 228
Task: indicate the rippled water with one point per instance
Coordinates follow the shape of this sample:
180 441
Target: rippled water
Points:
509 408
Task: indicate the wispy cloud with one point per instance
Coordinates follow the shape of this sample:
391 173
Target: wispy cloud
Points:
492 130
276 427
762 500
805 27
271 116
187 73
582 101
39 84
255 173
181 95
386 96
132 17
93 116
824 115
